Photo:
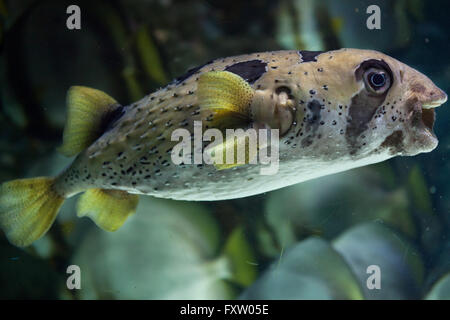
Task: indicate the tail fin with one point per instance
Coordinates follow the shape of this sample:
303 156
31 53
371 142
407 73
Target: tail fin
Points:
108 208
28 208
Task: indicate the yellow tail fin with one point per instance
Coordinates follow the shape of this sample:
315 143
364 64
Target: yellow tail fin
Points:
28 208
108 208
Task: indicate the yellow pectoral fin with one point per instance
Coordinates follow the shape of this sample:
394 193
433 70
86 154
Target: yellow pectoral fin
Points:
87 109
235 151
229 96
107 208
226 93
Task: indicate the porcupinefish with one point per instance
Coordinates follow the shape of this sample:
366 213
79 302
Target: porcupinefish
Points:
333 110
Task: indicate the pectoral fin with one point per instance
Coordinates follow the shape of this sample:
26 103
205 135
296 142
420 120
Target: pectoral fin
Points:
235 146
227 94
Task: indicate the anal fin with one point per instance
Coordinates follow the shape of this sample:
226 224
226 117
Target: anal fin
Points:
107 208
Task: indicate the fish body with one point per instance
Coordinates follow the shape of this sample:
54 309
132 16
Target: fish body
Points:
333 110
135 153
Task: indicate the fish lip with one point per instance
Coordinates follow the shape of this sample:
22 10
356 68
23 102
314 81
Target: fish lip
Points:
436 101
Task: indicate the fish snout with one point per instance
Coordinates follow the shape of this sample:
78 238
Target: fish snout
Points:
423 99
425 91
433 98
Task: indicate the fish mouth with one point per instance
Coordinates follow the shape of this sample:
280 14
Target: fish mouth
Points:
428 115
423 138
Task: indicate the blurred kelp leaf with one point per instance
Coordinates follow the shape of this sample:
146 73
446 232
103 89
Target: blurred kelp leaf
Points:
127 38
168 250
401 266
419 190
42 60
120 36
311 269
330 24
327 206
297 27
243 262
149 56
421 205
441 290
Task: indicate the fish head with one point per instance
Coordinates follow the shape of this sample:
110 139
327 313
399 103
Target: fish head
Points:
389 106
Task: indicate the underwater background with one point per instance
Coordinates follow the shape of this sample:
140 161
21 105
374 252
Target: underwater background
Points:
314 240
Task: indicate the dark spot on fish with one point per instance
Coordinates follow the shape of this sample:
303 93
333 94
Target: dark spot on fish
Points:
191 72
250 71
363 106
362 109
110 118
309 56
394 142
312 122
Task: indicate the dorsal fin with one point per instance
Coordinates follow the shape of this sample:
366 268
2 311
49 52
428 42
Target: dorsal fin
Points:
87 110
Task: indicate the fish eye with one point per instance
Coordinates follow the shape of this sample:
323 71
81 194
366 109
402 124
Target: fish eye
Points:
377 80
